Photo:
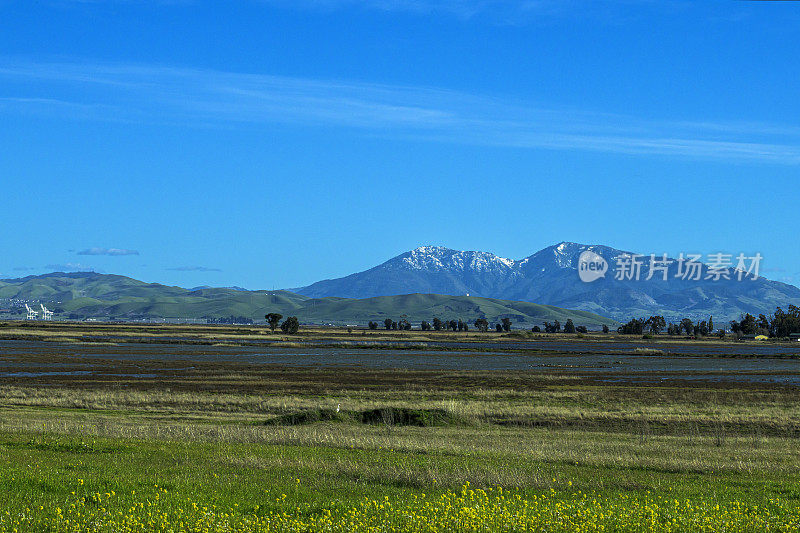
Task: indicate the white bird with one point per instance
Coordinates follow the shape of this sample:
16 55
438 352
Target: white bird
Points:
337 407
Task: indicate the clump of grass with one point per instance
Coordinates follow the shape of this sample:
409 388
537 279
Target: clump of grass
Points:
388 416
310 416
405 416
285 344
649 351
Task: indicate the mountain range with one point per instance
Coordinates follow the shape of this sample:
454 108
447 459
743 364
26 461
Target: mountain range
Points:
82 295
422 283
550 277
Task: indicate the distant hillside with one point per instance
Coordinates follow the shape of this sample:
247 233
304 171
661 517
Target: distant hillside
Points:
419 307
550 276
89 295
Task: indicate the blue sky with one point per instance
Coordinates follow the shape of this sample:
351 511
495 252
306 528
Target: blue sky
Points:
273 143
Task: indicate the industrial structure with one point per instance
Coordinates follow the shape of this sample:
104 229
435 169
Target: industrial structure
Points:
31 313
46 313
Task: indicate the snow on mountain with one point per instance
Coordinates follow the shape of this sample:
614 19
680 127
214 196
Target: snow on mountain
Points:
437 258
550 276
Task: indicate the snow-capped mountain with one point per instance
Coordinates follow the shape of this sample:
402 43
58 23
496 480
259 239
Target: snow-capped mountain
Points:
427 269
550 276
438 258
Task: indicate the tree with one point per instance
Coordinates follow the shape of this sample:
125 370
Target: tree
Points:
784 323
438 325
506 324
498 328
762 322
387 323
657 324
688 325
425 326
373 325
536 329
461 325
581 329
635 326
482 324
394 325
273 319
452 324
748 325
404 324
569 327
711 323
605 328
555 327
291 325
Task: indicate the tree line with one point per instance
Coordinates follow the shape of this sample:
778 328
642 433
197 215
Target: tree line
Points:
780 324
437 324
657 323
229 320
480 324
569 327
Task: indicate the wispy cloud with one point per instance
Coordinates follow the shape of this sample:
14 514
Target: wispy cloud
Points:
460 8
498 11
108 251
195 269
192 97
70 267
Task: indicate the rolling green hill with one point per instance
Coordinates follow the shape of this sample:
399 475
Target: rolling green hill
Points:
419 307
100 296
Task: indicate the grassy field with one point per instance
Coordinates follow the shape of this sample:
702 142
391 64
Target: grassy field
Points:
238 447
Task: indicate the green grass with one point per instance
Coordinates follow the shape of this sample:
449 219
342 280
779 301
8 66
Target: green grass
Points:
331 469
251 443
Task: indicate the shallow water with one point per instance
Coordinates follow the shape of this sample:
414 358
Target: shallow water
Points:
596 359
739 348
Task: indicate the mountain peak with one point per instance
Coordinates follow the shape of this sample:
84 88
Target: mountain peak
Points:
439 258
567 247
431 250
550 276
565 254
